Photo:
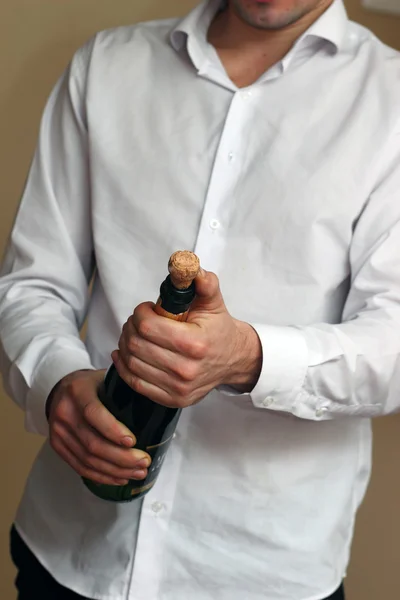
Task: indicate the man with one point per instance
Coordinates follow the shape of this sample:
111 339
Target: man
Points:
263 135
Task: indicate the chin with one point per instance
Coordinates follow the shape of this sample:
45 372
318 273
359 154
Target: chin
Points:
266 15
272 22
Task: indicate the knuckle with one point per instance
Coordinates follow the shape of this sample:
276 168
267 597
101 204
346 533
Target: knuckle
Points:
88 461
214 279
137 384
178 369
183 346
132 344
131 363
62 410
86 472
144 328
136 315
73 387
198 349
189 373
91 447
181 390
90 410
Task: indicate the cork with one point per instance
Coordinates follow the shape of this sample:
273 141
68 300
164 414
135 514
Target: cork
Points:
183 267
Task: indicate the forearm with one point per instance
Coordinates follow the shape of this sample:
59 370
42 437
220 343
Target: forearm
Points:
323 371
40 345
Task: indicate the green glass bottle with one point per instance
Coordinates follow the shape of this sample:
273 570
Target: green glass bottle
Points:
151 423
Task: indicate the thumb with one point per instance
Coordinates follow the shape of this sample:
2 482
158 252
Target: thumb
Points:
208 293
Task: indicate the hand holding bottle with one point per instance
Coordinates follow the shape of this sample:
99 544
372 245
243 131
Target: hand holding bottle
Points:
177 364
170 356
88 437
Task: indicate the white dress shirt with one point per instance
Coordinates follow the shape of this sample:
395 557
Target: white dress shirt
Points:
290 191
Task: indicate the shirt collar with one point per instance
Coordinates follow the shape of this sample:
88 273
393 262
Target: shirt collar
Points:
196 23
192 32
331 26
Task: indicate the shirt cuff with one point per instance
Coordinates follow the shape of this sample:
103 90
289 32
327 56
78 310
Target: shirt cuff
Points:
49 373
284 368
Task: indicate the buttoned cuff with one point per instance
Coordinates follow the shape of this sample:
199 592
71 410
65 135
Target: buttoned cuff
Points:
284 368
48 374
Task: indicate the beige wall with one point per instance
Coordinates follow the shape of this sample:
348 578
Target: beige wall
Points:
37 38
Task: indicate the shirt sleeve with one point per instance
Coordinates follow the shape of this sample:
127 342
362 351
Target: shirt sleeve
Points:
48 264
326 371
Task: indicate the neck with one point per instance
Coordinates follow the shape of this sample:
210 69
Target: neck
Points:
231 33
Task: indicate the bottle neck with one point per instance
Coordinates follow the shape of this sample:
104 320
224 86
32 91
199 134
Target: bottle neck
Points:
173 300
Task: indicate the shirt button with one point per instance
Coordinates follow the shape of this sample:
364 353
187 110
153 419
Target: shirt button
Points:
214 224
247 95
157 507
230 156
174 436
320 412
267 401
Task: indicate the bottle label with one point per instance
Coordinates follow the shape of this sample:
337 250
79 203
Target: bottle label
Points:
157 453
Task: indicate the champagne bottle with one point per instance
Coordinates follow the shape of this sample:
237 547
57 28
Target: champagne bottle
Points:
152 424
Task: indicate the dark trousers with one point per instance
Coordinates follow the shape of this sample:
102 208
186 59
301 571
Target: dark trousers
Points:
33 582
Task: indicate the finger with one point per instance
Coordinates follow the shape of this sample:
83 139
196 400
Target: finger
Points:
180 338
147 372
173 392
94 463
141 386
81 396
101 448
136 348
208 294
100 465
68 456
174 380
98 417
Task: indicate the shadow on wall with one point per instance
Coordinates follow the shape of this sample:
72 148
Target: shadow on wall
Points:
21 107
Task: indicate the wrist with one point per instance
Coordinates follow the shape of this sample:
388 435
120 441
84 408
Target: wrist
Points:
55 389
247 359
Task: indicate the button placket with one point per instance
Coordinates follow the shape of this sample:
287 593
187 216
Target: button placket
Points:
151 540
222 183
